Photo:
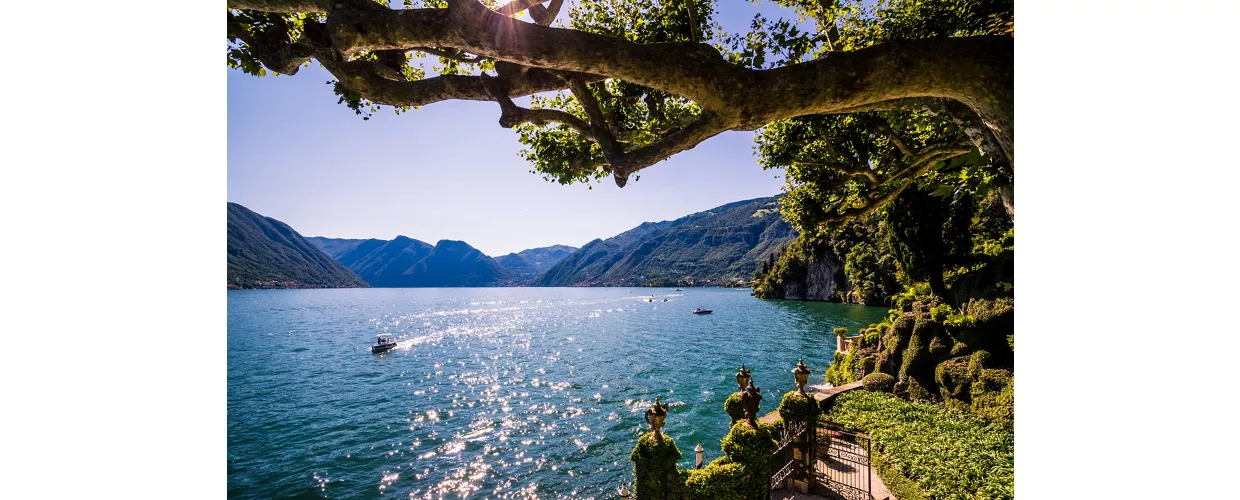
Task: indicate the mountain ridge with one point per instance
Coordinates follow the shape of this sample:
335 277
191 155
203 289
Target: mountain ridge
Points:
266 253
710 247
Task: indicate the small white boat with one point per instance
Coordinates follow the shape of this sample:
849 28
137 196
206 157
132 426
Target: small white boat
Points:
702 311
383 344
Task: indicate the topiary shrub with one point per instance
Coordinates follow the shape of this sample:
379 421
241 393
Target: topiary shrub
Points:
840 331
797 407
878 382
751 447
654 468
918 392
978 362
996 406
721 479
954 379
734 407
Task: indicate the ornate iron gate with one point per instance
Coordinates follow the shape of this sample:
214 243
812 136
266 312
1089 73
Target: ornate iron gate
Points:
841 463
783 461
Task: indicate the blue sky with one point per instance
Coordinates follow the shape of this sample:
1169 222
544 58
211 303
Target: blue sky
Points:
449 171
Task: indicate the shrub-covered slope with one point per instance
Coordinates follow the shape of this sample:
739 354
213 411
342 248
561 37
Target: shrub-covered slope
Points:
266 253
705 248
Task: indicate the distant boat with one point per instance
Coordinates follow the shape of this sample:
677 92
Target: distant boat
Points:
664 300
679 290
383 344
702 311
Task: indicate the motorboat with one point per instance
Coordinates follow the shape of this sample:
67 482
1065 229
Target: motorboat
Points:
679 290
383 344
701 311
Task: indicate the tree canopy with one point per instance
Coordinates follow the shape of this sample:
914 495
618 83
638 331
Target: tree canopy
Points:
878 97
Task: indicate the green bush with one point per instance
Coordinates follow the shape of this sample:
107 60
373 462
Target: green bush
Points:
654 467
977 362
841 370
954 378
720 479
878 382
797 407
948 453
752 447
871 336
918 392
840 331
734 407
996 407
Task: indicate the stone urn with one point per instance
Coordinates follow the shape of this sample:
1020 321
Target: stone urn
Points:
742 378
655 415
801 374
751 398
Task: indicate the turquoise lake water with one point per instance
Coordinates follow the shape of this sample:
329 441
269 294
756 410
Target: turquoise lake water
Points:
494 392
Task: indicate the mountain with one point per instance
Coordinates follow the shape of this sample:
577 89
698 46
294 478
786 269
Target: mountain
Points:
406 262
335 247
710 247
532 262
266 253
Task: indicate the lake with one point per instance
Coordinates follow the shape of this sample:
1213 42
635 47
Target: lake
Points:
494 392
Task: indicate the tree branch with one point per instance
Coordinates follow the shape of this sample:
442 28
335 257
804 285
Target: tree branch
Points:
286 57
516 6
598 123
281 6
449 55
362 77
512 115
976 71
885 127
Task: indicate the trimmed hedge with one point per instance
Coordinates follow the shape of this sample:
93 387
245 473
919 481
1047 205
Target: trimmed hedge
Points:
734 407
878 382
752 448
797 407
654 468
721 479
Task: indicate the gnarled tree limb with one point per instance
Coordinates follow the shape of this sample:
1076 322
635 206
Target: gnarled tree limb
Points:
975 71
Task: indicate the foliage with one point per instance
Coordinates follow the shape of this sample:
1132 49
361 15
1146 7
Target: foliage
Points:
842 369
868 274
949 453
953 378
878 382
794 406
914 221
705 248
654 466
822 153
734 407
720 479
751 447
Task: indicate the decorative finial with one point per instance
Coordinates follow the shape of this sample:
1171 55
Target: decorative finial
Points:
655 416
742 378
801 375
751 399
